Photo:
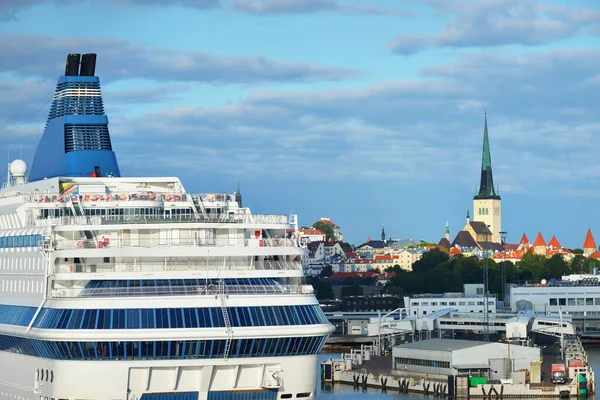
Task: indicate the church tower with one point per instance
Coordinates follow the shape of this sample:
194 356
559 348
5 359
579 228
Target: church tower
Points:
487 204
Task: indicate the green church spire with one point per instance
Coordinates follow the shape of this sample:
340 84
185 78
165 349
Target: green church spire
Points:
486 185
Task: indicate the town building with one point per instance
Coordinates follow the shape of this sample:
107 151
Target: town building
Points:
471 300
589 245
308 235
485 231
337 235
515 253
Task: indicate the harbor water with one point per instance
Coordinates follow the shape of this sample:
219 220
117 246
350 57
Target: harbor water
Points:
348 392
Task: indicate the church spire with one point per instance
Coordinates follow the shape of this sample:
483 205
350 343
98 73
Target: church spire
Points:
486 185
238 196
382 233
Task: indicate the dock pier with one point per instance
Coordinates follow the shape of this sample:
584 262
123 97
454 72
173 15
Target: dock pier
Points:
361 369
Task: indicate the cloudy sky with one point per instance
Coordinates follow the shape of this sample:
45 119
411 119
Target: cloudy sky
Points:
363 111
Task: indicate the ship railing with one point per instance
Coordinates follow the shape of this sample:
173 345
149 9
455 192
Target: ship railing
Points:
163 219
181 266
189 290
70 244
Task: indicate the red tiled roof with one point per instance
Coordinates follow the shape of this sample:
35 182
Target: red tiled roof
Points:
351 254
312 231
595 255
386 257
554 243
589 241
512 247
539 240
328 222
524 239
455 250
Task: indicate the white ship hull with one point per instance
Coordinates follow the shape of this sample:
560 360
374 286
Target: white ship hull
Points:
21 377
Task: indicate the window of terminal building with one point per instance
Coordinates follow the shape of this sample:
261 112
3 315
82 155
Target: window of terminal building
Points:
589 301
580 301
553 302
434 303
562 301
571 302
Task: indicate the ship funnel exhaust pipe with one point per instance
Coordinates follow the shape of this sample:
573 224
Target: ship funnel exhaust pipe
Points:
72 67
88 65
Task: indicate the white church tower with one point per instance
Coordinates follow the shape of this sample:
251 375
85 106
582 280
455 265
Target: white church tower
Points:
487 207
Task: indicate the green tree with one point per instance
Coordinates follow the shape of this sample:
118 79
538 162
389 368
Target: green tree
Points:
327 229
589 264
535 264
468 269
323 289
577 264
354 290
557 266
430 260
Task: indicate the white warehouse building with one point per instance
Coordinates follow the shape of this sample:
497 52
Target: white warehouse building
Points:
471 300
455 357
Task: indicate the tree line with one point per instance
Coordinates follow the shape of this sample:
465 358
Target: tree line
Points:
437 272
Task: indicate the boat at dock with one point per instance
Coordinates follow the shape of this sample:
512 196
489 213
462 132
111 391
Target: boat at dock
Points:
132 288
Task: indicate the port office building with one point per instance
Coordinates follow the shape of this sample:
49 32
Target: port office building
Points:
461 357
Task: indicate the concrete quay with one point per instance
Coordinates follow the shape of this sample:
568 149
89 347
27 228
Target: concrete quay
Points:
361 369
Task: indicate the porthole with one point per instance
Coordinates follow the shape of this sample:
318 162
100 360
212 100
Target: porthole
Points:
41 375
286 396
51 376
305 394
46 375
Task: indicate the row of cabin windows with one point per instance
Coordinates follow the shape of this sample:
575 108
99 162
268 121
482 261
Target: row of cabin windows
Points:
67 212
8 242
588 301
163 350
168 318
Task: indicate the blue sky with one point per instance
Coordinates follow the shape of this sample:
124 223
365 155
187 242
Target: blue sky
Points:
363 111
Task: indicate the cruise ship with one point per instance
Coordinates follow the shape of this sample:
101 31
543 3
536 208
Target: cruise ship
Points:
132 288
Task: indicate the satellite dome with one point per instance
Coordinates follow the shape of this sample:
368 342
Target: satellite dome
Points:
18 168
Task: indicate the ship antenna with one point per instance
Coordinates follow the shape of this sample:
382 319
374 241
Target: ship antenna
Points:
8 168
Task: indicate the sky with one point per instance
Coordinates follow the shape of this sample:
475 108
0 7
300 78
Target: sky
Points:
367 112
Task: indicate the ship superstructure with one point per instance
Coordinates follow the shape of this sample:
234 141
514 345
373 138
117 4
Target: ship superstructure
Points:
133 288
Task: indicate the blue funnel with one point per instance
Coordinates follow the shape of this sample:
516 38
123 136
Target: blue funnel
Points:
76 142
